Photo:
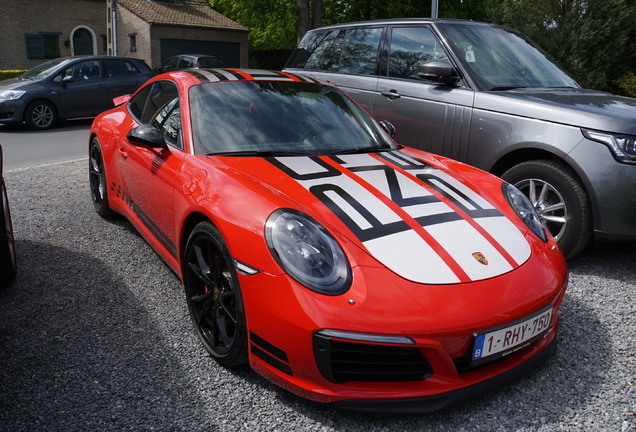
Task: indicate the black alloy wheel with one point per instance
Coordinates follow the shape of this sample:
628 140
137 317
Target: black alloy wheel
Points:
40 115
8 260
557 195
214 297
97 180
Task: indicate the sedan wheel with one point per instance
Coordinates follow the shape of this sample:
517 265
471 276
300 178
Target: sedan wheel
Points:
8 263
214 297
40 115
558 197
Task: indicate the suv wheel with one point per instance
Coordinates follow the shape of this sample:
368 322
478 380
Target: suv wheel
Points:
560 200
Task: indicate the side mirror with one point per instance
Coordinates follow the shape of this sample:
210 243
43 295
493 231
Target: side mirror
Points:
388 127
147 135
68 79
441 71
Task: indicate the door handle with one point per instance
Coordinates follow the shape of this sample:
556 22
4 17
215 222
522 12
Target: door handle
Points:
100 86
391 94
123 152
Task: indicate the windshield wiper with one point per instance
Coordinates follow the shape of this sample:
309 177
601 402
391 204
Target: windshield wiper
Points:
258 153
503 88
369 149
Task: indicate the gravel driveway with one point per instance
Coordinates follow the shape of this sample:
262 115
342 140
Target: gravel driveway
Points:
95 335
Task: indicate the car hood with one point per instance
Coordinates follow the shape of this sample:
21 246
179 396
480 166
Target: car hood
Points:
575 107
14 83
412 216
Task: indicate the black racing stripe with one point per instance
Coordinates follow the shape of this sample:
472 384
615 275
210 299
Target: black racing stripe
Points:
154 229
198 75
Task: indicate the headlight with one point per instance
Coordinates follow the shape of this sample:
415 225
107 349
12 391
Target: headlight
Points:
623 147
307 252
11 95
524 208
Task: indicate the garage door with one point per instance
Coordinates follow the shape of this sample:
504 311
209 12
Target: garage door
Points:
229 52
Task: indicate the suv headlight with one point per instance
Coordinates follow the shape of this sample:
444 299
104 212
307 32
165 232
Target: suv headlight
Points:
623 147
8 95
307 252
524 208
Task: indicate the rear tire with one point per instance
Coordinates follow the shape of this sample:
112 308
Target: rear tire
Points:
560 200
97 180
8 261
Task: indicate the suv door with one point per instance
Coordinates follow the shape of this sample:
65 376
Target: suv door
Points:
427 115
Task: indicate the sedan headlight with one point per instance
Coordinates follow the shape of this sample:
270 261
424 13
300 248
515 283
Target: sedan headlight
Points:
623 147
307 252
524 208
8 95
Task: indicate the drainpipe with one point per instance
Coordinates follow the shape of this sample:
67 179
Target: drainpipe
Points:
114 17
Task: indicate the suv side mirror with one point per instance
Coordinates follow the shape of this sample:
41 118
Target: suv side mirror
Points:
441 71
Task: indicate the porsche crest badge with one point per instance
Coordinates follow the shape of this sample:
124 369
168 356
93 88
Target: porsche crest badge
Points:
480 258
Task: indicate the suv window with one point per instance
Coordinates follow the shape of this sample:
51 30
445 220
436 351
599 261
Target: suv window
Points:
320 52
360 51
410 47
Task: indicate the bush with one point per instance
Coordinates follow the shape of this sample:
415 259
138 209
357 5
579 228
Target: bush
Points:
7 74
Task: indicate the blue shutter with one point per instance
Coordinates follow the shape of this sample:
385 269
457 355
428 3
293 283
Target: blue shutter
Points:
34 46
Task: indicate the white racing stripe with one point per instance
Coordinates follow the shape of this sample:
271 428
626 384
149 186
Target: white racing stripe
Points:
383 231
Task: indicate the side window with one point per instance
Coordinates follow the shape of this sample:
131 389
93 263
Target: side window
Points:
118 68
410 47
158 104
360 51
170 63
320 51
86 70
186 62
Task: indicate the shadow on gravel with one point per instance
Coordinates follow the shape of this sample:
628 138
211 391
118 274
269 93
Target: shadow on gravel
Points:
72 339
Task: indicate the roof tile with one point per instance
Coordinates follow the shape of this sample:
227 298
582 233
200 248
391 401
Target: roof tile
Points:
194 13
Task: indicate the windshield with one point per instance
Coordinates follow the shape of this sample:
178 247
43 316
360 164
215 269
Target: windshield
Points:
502 59
43 70
280 117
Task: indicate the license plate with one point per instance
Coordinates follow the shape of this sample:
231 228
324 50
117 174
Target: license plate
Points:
505 340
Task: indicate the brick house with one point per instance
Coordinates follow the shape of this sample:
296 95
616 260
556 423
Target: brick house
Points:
35 30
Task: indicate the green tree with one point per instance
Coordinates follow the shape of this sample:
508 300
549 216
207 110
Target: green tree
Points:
588 38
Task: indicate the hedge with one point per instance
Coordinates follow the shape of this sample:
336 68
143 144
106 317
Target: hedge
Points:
6 74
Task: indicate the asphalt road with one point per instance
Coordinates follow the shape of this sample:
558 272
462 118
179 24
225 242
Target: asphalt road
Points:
66 142
95 335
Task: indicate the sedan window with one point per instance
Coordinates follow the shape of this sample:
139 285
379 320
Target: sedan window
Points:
410 47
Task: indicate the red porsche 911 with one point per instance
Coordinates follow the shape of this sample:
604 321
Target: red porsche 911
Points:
341 266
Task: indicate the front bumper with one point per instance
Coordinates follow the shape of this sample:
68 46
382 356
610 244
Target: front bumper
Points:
438 402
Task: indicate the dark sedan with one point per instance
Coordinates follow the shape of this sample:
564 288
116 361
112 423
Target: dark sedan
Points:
69 87
7 245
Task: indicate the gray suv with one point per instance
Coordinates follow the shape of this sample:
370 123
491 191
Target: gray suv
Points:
486 95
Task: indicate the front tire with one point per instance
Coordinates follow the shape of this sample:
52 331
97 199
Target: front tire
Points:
40 115
214 296
97 180
560 200
8 261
